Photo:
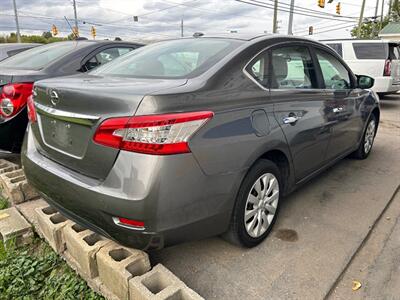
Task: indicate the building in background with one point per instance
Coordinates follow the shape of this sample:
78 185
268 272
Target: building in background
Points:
391 32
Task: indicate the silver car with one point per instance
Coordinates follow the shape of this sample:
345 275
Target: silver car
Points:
190 138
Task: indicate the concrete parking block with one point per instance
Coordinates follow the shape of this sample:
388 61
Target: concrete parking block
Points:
160 284
117 265
14 226
7 166
15 187
50 225
83 244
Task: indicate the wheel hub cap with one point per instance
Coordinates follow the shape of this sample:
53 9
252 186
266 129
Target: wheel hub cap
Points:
261 205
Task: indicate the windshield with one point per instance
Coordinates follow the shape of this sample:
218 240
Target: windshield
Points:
184 58
39 57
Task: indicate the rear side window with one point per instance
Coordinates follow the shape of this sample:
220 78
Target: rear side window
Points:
258 69
371 50
292 68
337 47
335 75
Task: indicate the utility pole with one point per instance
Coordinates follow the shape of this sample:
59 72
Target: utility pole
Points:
383 8
360 21
181 27
290 27
76 15
17 22
375 25
275 25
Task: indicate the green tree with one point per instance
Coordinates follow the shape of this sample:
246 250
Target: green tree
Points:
45 38
370 28
47 35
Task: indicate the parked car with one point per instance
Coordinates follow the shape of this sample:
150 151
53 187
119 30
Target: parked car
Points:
190 138
10 49
376 58
18 73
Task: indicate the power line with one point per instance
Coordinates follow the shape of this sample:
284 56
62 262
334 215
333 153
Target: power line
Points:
302 9
333 29
265 5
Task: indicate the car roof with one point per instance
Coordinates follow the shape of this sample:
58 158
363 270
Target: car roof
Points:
96 42
357 40
18 45
253 37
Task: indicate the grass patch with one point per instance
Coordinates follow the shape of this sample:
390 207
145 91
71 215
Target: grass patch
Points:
37 272
3 202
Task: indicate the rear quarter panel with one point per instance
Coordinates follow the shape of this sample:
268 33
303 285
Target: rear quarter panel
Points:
228 143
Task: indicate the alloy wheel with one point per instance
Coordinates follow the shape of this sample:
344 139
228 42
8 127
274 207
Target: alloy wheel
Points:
369 136
261 205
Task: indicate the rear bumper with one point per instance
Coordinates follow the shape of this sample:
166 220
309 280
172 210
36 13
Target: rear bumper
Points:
385 85
172 196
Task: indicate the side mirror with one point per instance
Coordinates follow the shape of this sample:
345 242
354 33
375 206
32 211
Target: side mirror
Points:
365 82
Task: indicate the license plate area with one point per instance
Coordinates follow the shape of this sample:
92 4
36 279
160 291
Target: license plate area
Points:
66 137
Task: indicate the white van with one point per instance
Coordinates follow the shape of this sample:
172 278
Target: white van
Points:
376 58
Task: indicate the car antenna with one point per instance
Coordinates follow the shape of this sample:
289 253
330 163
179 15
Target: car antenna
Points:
198 34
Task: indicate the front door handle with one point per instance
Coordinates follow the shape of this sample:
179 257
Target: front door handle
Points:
290 120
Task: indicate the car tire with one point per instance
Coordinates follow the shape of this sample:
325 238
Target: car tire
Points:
258 197
367 141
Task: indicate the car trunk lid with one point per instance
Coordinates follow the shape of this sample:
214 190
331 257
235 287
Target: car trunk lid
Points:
70 110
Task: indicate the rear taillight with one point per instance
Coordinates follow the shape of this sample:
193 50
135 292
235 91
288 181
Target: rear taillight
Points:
31 109
154 134
13 98
387 71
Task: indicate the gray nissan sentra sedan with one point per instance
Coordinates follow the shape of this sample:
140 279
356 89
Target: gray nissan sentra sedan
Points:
189 138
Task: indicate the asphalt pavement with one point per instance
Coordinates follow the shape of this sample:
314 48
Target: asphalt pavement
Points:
315 250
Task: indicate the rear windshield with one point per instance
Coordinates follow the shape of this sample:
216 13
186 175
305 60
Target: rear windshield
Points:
371 50
171 59
39 57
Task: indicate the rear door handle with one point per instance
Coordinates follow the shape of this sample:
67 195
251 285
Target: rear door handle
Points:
338 109
290 120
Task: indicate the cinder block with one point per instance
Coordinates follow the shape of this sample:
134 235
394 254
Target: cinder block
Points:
15 187
118 264
160 284
83 244
14 226
7 166
51 223
27 209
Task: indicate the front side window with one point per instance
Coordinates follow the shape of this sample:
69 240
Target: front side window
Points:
184 58
336 76
292 68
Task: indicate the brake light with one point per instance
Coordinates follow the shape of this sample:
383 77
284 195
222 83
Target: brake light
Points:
154 134
387 71
14 98
31 109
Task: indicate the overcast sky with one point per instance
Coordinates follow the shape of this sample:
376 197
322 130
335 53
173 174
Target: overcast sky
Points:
159 19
